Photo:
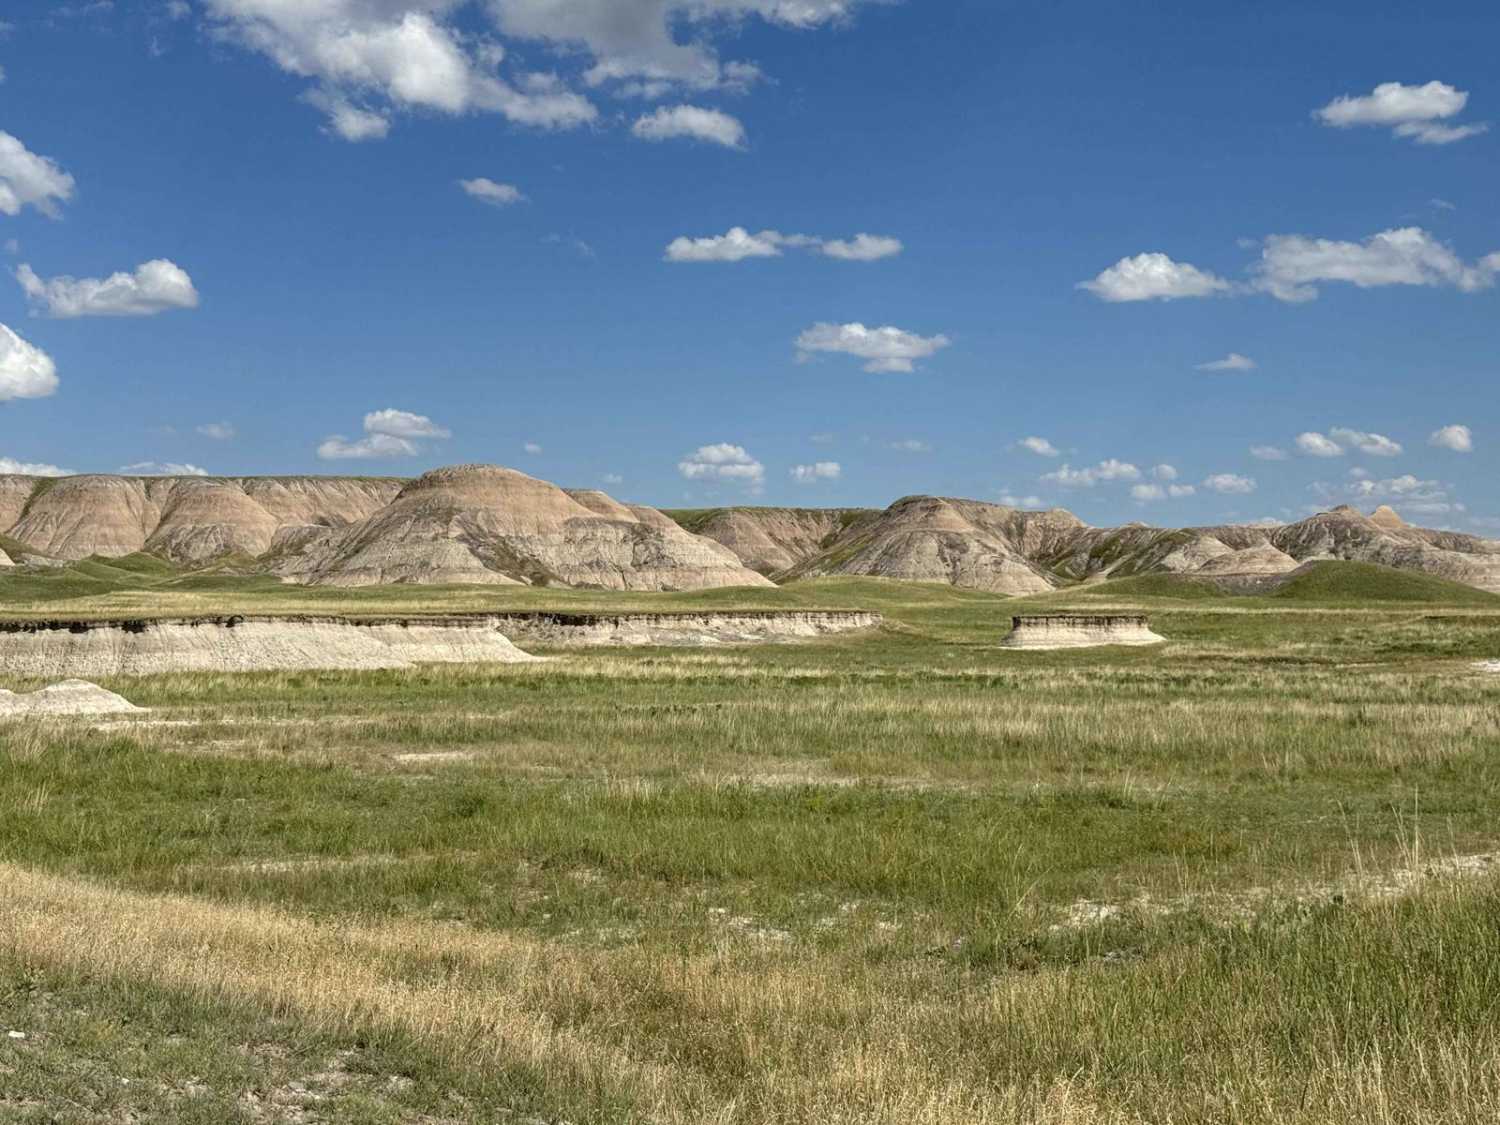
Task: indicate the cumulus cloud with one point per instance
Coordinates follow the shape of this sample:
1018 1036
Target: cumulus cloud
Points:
1165 472
1376 445
388 433
1066 476
691 122
219 431
368 58
1407 493
885 350
1040 446
636 43
724 462
862 248
27 179
488 191
1230 484
162 469
154 287
1457 438
25 370
1011 500
737 244
1317 445
1268 453
11 467
820 470
1149 493
1414 112
1292 266
339 448
1153 277
403 424
1231 362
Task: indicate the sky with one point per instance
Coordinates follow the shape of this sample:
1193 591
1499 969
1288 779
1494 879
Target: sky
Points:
1171 262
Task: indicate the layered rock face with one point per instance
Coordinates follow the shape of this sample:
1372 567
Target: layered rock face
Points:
982 546
483 524
965 543
182 519
773 541
1076 630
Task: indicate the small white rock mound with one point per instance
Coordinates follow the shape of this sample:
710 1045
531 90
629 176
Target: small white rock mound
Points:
71 697
1079 630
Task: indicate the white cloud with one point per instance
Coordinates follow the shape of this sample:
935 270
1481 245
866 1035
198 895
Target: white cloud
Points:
1148 277
154 287
403 424
347 120
820 470
1110 470
388 433
1165 472
25 370
1148 492
885 350
339 448
633 42
1317 445
613 478
692 122
734 246
1376 445
11 467
863 248
488 191
1457 438
911 445
1230 484
1231 362
1268 453
162 469
1408 493
29 179
531 447
368 57
724 462
737 244
219 431
1011 500
1291 265
1179 490
1040 446
1415 112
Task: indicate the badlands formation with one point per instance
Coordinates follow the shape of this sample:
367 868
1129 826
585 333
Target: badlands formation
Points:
1079 630
982 546
486 525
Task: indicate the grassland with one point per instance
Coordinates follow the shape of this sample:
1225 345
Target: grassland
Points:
898 877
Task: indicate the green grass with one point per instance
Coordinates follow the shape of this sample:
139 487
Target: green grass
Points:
902 876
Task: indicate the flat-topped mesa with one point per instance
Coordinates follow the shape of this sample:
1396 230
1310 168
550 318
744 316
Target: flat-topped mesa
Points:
682 629
1079 630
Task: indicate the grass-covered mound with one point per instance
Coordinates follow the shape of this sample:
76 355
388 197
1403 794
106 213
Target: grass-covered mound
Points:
1369 582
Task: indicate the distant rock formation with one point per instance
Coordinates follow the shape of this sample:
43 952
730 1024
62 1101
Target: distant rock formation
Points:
1078 630
483 524
971 544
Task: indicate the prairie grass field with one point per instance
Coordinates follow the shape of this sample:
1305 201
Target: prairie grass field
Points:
1252 875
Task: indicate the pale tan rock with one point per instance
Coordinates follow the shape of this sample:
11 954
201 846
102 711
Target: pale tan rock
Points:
679 629
1264 559
254 644
1076 630
71 697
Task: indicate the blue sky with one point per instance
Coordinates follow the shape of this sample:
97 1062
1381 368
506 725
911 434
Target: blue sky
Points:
1070 207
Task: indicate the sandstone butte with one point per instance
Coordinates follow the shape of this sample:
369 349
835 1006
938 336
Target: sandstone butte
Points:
491 525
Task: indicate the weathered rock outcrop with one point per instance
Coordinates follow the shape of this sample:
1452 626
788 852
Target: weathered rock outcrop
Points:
679 629
247 644
483 524
773 541
1076 630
